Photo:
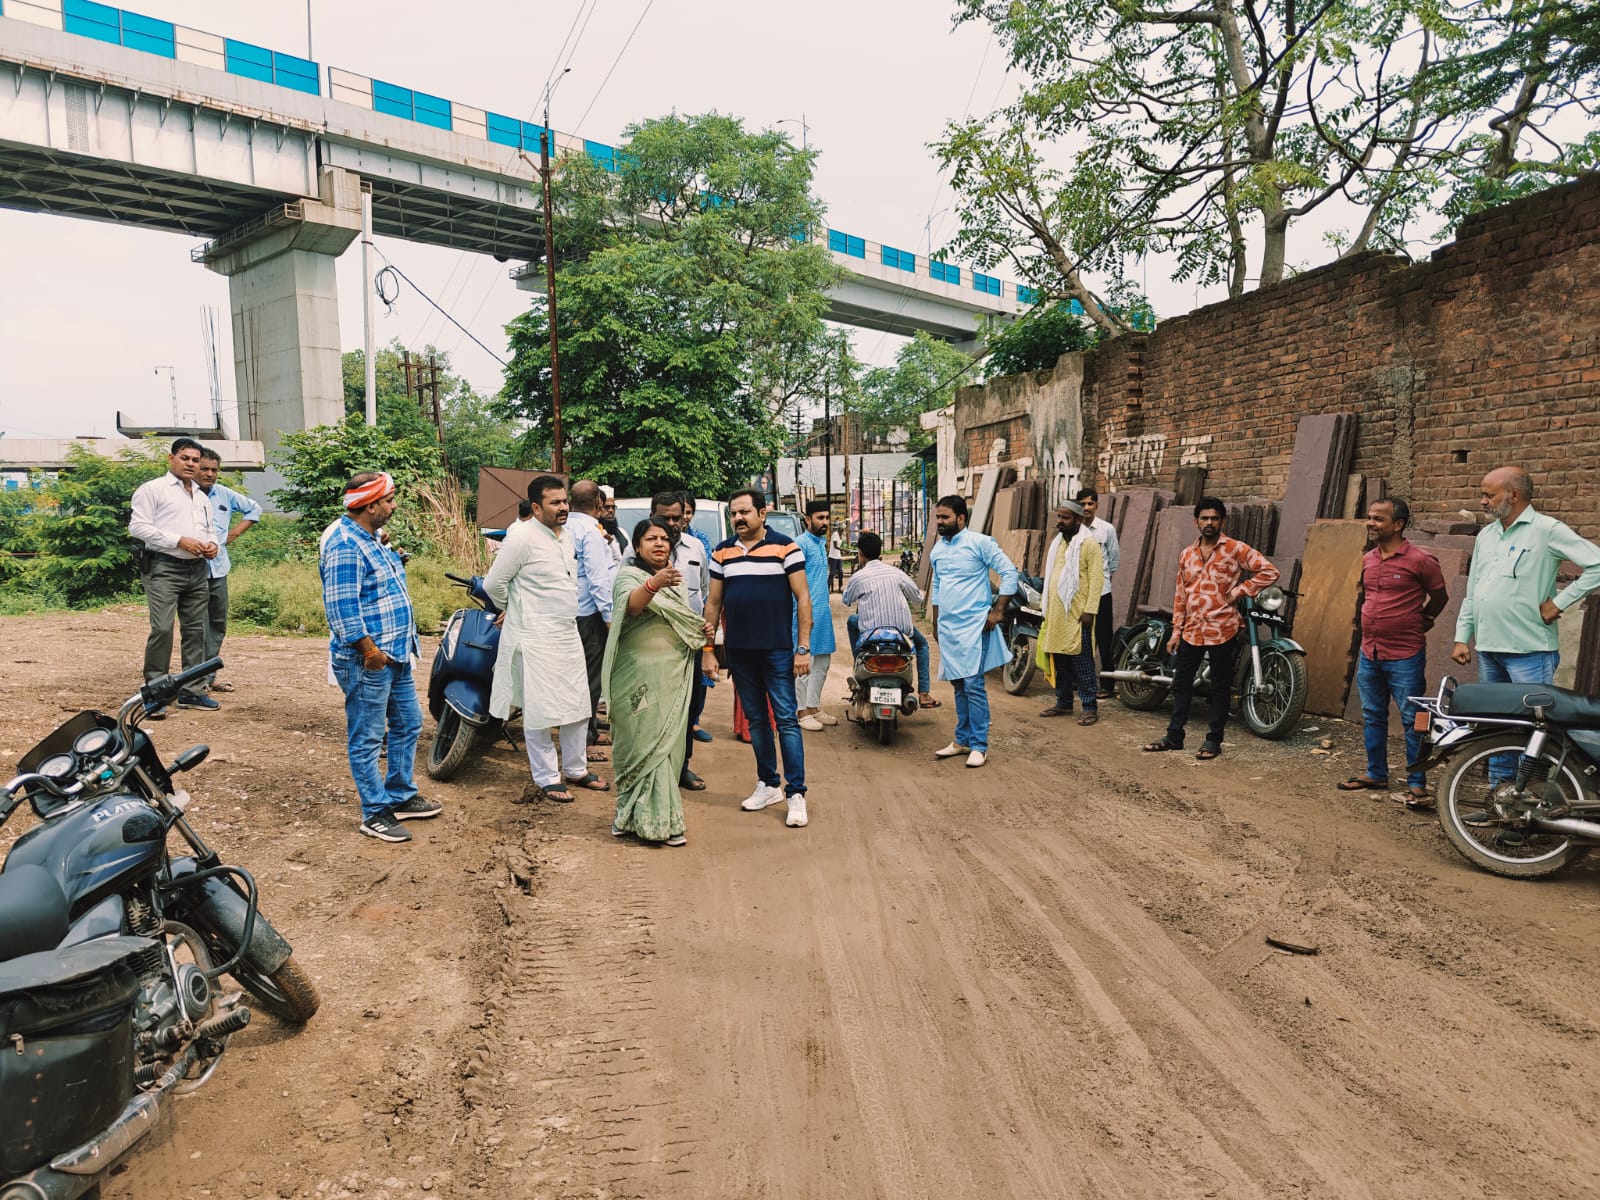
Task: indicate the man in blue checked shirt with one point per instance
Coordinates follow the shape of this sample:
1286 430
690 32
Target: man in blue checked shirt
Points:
226 504
373 642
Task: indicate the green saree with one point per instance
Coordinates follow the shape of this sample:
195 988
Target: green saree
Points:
647 678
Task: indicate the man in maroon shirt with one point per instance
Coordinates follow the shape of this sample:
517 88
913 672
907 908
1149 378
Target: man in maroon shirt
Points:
1402 591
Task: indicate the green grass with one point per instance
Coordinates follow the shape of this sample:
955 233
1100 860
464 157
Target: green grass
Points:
286 597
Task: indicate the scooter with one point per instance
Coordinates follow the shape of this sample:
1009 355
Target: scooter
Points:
112 950
882 681
1270 681
1023 620
462 679
1519 797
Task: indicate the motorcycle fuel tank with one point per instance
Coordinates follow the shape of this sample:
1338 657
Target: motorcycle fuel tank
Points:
95 850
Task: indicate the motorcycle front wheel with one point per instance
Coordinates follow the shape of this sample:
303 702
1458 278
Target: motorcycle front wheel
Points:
1145 654
1017 674
287 993
1500 847
1272 709
452 742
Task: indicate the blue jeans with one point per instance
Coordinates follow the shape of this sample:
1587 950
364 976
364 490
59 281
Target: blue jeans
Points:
1398 679
1496 666
972 713
919 643
376 702
760 676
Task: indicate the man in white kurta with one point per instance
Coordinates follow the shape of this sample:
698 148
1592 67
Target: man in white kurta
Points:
540 667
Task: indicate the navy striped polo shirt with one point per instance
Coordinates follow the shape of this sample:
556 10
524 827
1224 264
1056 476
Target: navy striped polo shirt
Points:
756 594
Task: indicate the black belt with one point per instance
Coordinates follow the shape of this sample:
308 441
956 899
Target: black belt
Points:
174 558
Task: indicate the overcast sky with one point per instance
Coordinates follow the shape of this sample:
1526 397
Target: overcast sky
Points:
89 311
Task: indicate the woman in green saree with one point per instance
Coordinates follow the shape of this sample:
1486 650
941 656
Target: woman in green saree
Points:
650 653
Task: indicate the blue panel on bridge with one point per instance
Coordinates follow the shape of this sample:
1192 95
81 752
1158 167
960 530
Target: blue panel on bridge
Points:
148 34
432 110
1027 295
843 243
944 272
899 259
530 137
99 21
603 155
388 98
986 284
301 74
504 131
253 62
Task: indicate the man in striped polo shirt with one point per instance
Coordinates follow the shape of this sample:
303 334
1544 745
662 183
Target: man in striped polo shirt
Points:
758 585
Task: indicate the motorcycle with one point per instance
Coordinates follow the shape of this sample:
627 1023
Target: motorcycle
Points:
1519 797
908 560
882 681
1270 680
112 948
462 679
1020 627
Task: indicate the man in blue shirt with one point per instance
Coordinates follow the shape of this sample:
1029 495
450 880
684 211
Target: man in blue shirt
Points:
814 545
965 615
225 505
597 573
373 644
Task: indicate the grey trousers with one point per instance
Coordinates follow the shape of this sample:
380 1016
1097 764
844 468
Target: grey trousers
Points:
175 589
216 622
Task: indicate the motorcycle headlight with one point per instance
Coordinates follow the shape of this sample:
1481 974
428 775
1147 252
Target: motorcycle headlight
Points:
1271 599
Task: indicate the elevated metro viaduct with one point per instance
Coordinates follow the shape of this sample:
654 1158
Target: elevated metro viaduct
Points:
109 115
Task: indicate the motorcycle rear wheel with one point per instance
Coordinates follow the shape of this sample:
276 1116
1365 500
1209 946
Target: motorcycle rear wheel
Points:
1501 849
1143 652
1272 711
885 730
1017 674
452 742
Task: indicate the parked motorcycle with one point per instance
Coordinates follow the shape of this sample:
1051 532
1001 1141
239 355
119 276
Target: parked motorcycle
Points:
908 560
882 681
1020 627
462 679
1519 796
112 949
1270 680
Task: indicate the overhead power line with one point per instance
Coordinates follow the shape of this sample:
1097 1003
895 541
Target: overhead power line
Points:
389 297
642 15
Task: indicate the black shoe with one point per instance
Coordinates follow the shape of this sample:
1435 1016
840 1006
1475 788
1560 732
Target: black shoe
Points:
196 700
416 809
1479 818
385 828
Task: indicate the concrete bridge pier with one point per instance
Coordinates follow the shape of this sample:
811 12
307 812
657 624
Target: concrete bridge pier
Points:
284 304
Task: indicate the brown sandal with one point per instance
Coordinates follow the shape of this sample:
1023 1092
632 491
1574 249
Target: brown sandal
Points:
1054 711
1088 718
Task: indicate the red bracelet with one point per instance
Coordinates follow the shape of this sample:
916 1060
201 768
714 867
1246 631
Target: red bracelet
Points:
651 587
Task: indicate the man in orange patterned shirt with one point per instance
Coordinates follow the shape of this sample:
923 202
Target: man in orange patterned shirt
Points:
1206 620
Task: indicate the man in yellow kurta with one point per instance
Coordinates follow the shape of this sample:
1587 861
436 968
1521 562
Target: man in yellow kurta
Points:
1073 573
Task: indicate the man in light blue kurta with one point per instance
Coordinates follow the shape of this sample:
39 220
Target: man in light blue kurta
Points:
966 613
808 688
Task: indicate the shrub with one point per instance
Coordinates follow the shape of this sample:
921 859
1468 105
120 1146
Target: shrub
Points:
86 553
286 597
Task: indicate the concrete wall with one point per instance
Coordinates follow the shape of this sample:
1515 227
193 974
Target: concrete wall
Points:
1033 422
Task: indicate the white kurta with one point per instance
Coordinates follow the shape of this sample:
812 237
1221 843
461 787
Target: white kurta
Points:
540 667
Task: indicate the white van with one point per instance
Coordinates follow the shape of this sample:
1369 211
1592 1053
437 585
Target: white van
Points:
710 517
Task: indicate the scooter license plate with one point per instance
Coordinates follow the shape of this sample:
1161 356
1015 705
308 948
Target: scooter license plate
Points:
885 695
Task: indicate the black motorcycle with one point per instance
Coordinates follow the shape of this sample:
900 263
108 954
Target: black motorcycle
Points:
1024 618
1519 796
462 679
1270 680
112 950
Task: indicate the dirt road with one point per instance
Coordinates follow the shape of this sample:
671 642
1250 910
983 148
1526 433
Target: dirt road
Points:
1047 978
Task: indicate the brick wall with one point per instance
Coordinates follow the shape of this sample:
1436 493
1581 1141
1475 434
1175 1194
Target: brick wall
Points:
1486 353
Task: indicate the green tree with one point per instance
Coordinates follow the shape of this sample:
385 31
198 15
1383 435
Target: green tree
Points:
1036 341
18 534
925 376
1209 129
85 551
318 462
689 313
475 436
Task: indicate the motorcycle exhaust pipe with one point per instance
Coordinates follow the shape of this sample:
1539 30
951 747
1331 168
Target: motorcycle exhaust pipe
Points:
1570 826
1136 677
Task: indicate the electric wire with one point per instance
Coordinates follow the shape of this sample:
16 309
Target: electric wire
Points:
614 62
389 291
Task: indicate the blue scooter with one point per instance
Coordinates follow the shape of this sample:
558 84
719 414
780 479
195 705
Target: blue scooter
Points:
462 678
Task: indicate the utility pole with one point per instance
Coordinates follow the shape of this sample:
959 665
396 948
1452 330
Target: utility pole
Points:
827 440
370 377
558 462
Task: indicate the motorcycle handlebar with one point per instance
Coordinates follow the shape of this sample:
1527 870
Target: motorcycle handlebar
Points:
167 687
458 580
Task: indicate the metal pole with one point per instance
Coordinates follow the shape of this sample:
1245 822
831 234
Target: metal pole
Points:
558 460
433 381
827 441
371 383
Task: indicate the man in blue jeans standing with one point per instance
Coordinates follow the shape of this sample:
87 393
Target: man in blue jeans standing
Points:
373 641
758 583
1402 591
1511 607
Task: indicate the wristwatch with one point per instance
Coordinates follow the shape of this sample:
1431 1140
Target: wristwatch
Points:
802 649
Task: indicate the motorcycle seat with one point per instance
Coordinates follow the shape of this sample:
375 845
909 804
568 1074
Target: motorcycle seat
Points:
1518 700
33 911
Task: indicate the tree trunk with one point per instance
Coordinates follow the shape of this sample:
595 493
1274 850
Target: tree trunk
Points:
1274 245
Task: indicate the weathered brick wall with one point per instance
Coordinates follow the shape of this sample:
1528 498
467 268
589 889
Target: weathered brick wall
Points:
1487 353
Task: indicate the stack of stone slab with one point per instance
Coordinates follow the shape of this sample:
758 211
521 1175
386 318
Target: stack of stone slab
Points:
1133 512
1319 474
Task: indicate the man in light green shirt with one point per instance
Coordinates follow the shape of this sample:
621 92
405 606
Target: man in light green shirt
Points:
1511 608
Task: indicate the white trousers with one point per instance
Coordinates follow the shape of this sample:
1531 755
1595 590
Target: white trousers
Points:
574 763
808 688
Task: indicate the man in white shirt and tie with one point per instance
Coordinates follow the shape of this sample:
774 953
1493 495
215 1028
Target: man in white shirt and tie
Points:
172 517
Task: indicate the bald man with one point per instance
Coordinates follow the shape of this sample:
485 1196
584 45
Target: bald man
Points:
1511 606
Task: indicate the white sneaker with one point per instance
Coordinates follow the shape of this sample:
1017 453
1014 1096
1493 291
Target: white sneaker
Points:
949 751
762 797
977 758
797 811
810 724
825 717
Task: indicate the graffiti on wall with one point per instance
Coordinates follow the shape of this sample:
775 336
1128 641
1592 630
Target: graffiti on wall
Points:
1127 459
1192 450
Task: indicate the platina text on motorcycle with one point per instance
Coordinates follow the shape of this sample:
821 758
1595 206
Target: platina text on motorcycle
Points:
114 942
